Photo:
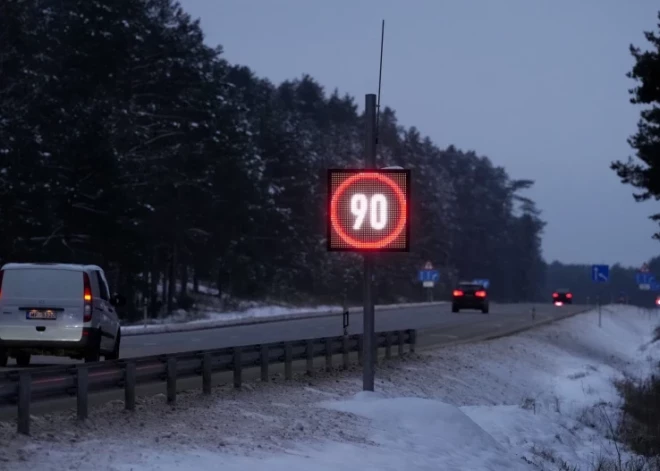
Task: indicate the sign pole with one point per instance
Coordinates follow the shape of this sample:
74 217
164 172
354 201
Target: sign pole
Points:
369 318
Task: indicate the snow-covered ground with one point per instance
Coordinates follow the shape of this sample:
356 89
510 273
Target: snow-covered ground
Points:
182 321
529 402
208 316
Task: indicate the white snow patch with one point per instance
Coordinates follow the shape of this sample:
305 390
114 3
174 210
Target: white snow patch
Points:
527 402
180 321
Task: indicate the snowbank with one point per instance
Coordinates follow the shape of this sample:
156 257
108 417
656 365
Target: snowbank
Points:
529 402
254 316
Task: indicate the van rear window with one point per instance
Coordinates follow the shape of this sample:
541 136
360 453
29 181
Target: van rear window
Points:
31 283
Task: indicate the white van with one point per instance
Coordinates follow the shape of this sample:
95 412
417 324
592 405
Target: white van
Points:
57 309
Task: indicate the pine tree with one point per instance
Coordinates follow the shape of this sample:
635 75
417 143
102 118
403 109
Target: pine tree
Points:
645 175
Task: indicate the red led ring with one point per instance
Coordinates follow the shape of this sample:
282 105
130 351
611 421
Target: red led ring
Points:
379 244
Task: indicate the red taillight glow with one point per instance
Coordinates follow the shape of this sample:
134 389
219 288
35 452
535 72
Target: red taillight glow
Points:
555 295
569 295
480 294
458 292
87 296
657 301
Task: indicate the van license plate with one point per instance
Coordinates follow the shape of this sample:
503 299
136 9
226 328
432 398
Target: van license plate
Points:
41 315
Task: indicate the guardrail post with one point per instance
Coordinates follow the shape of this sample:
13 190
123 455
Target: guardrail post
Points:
402 341
82 385
24 396
207 373
129 386
388 345
264 363
360 345
238 367
345 350
288 360
413 340
171 380
328 354
309 350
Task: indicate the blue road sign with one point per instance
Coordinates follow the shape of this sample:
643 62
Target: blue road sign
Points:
429 275
482 281
643 278
600 273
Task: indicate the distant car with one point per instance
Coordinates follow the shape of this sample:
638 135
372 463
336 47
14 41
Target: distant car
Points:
469 296
561 297
657 301
57 309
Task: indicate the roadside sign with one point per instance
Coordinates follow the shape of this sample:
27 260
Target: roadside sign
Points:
432 276
428 284
368 210
645 268
644 278
428 266
482 281
646 281
600 273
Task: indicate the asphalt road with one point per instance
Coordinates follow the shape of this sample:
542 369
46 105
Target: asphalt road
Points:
438 325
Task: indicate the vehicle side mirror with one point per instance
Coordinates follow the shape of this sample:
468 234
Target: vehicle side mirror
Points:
117 300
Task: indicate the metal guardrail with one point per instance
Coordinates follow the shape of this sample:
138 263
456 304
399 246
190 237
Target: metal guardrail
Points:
23 387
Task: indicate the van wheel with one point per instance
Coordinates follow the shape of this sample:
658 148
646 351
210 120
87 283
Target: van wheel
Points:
4 358
93 350
23 359
115 351
92 355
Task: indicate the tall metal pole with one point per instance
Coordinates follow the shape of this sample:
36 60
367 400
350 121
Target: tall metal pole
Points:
369 327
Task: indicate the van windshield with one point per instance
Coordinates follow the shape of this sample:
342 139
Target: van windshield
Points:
30 283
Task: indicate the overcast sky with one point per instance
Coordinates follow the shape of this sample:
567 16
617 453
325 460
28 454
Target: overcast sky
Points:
537 86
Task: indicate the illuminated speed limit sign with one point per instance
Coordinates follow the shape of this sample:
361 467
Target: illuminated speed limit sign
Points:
368 210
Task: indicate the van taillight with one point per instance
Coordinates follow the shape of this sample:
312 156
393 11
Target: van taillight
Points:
87 296
1 275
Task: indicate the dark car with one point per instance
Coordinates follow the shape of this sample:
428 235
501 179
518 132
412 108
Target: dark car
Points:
469 296
561 297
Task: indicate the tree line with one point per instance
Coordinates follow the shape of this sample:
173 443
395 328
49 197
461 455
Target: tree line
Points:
126 141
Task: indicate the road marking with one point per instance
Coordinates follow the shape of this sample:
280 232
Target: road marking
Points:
196 340
150 344
453 337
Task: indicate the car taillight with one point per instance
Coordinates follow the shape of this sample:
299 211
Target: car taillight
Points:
480 294
569 295
555 295
657 301
1 275
458 292
87 296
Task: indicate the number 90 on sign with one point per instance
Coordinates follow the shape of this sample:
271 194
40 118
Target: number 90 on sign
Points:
368 210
